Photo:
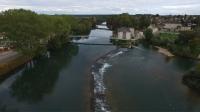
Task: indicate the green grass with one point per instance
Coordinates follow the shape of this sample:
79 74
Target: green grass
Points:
170 37
164 39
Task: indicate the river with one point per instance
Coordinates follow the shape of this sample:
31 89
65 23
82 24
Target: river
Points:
138 79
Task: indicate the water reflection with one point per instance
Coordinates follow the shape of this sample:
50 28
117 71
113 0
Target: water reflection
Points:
193 99
38 81
182 64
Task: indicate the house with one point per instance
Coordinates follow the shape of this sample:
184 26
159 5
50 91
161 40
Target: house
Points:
4 42
1 36
175 27
185 28
124 34
129 34
154 29
171 27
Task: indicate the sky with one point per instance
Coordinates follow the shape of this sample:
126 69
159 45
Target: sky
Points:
162 7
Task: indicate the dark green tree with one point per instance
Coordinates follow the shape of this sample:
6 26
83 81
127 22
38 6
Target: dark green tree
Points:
24 29
148 35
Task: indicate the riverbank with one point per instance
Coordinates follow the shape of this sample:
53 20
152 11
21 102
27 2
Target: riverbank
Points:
9 61
164 51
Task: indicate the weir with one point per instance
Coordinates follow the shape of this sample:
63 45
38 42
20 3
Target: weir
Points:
99 88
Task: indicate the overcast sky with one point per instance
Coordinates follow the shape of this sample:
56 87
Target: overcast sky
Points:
105 6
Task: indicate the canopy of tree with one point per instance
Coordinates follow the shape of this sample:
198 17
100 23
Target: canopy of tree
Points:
148 34
192 79
30 32
125 20
187 44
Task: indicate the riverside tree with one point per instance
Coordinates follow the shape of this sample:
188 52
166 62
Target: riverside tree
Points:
30 32
148 35
126 20
24 29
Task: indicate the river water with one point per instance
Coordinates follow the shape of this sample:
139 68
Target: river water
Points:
138 79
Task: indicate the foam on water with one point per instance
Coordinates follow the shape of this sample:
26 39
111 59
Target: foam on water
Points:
98 71
119 53
104 67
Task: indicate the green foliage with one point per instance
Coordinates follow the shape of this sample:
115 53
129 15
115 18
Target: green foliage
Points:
30 32
82 26
165 39
144 22
148 35
25 30
188 44
198 68
126 20
59 32
192 79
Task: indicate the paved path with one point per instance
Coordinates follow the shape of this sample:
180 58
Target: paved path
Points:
8 55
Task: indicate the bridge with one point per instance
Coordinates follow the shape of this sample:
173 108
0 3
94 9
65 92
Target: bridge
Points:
79 36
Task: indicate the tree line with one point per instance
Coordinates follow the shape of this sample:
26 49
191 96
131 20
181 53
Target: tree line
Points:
184 43
125 20
32 34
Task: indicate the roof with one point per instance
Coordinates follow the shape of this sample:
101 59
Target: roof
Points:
123 29
171 25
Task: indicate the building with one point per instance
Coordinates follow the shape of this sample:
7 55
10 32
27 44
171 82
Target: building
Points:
175 27
129 34
4 42
155 30
124 34
185 28
171 27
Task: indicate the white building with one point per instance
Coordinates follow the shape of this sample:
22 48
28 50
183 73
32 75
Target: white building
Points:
154 29
129 33
171 27
124 34
185 28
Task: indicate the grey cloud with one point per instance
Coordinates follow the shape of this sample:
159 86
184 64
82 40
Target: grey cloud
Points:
105 6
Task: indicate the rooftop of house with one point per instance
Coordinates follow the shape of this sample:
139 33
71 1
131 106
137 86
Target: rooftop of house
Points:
124 29
172 25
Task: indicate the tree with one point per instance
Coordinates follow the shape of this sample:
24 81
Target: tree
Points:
24 29
30 32
144 22
188 44
59 34
148 35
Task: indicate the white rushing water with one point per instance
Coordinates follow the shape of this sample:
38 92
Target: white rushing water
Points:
99 89
100 67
